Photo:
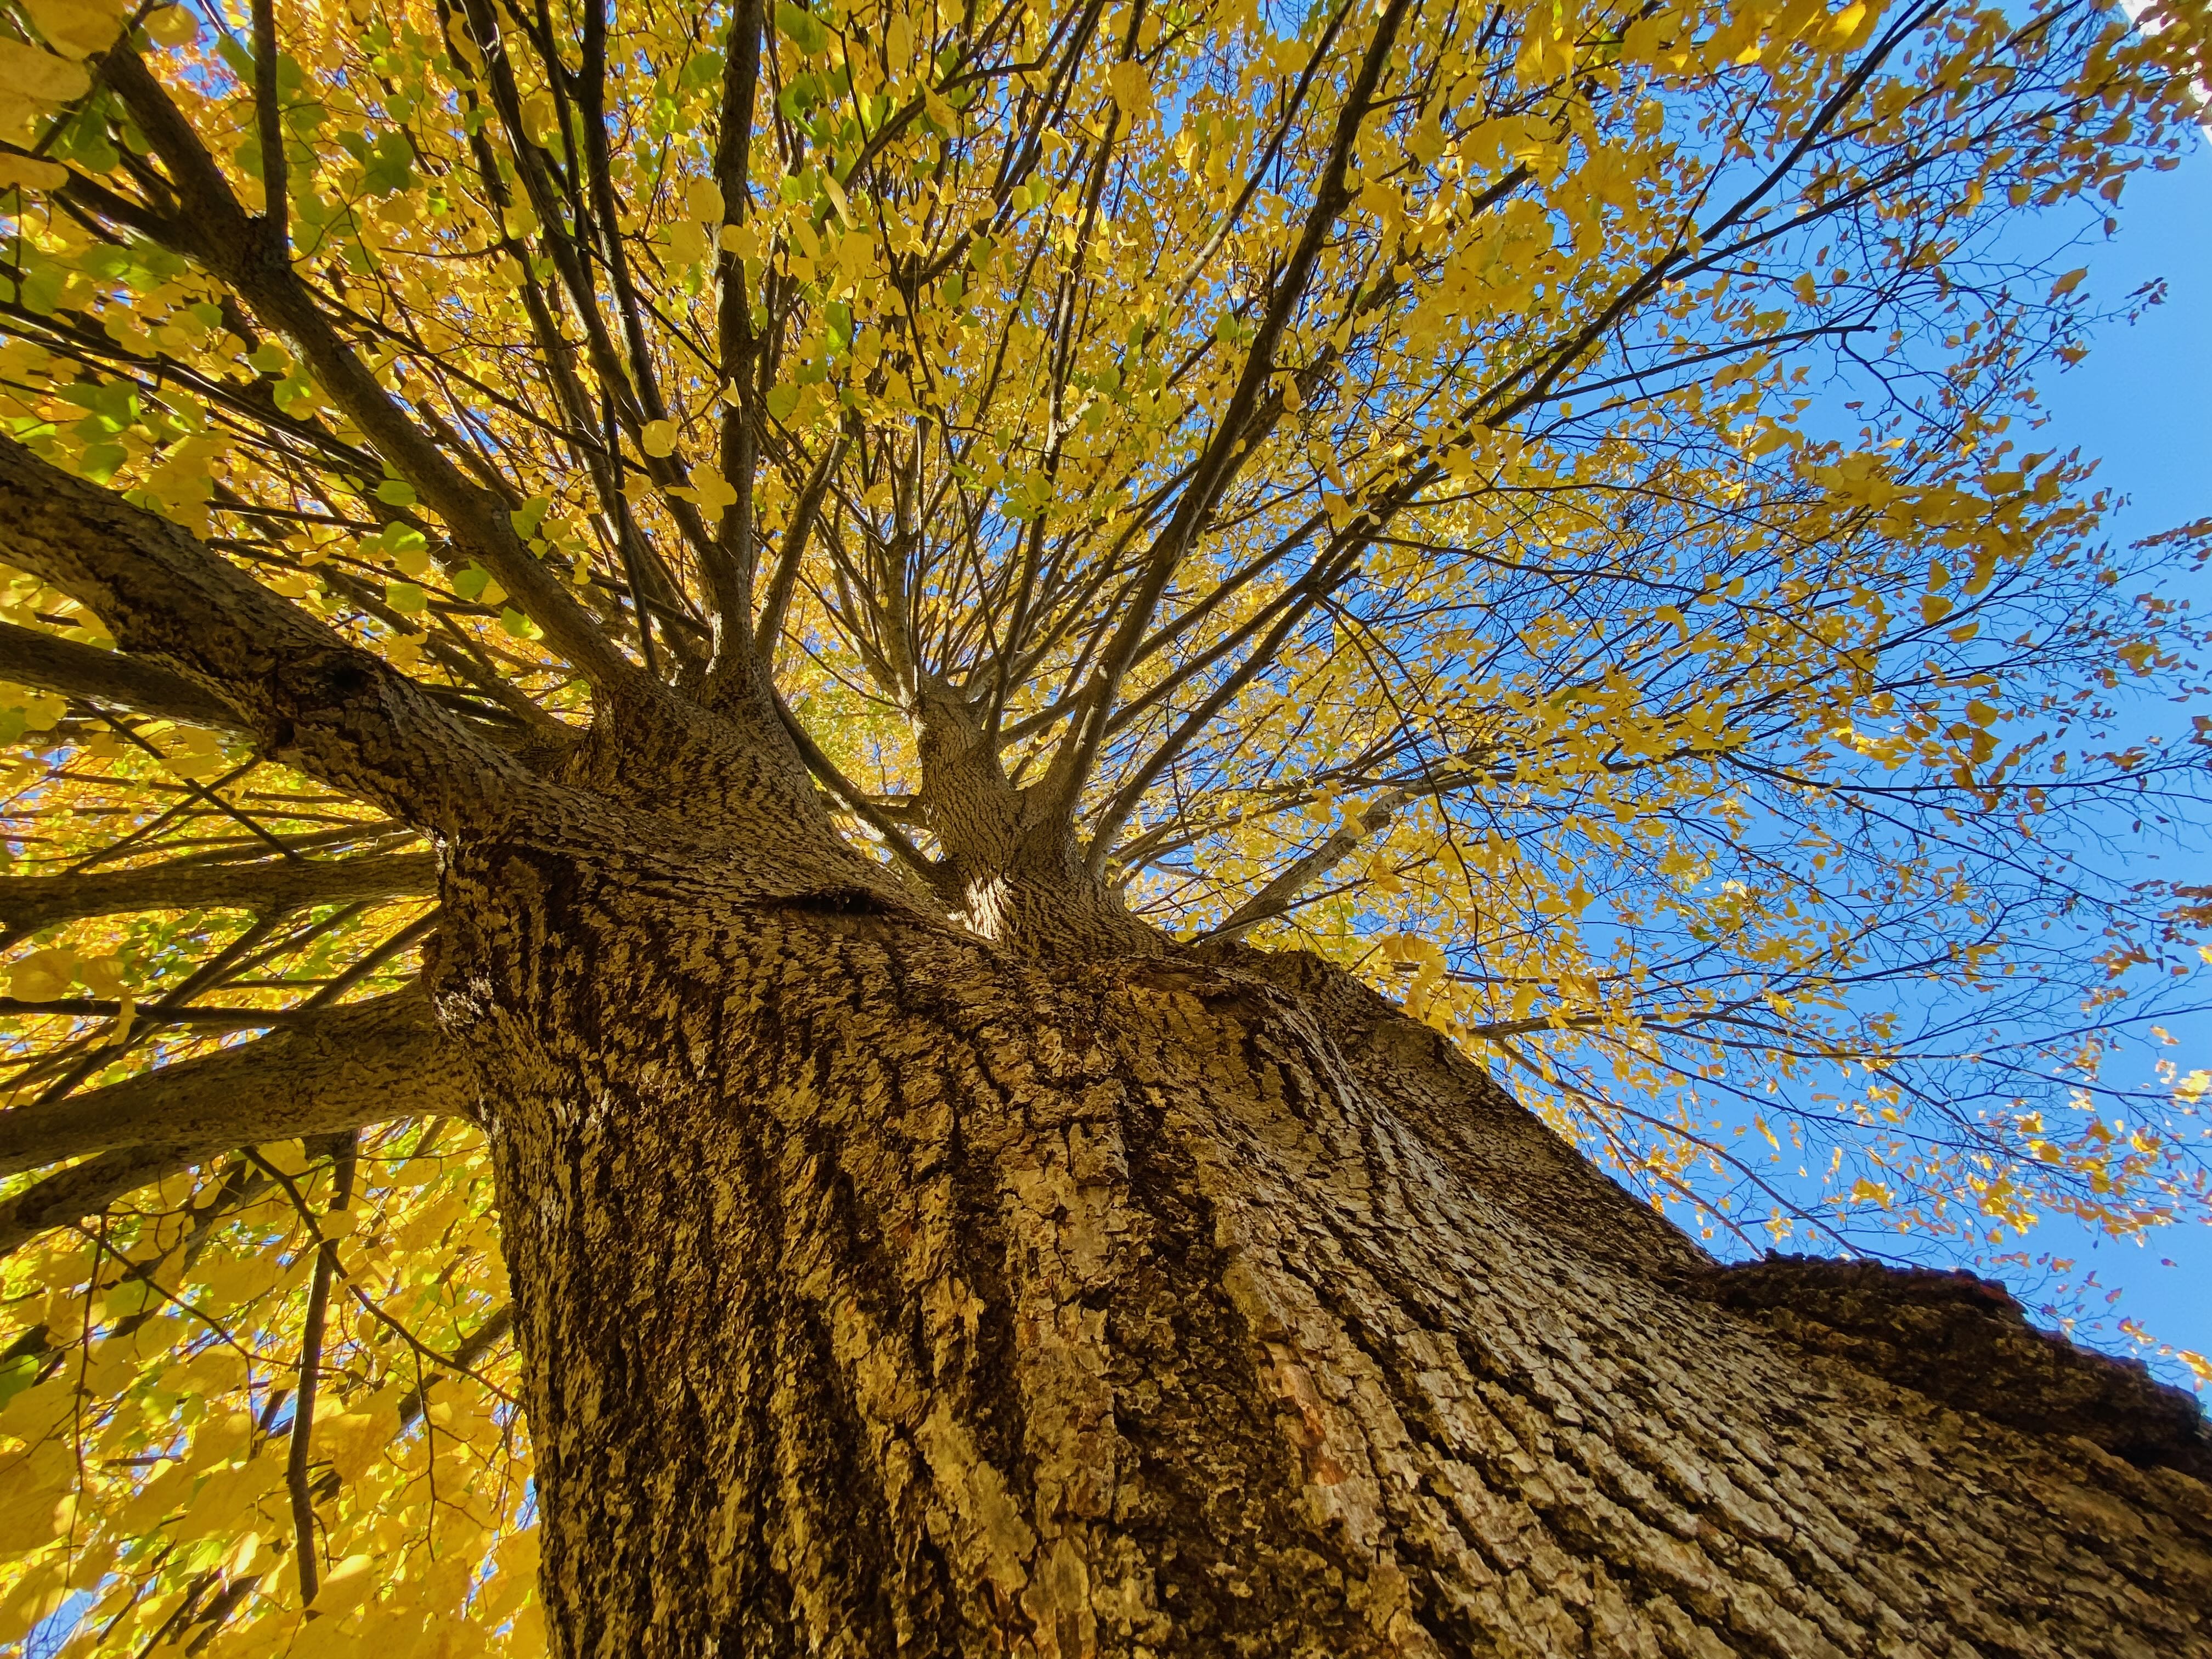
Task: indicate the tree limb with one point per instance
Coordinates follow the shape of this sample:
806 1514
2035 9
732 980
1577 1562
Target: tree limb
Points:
730 571
47 662
1232 439
313 700
214 228
301 1446
478 1343
62 1201
30 902
363 1063
1282 891
268 123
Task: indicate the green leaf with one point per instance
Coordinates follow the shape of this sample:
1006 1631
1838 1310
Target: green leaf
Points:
395 492
389 166
526 517
804 29
703 70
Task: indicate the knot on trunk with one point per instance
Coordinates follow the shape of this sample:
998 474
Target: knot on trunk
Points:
1965 1342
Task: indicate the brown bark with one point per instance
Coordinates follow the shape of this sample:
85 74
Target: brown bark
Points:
882 1289
269 887
366 1062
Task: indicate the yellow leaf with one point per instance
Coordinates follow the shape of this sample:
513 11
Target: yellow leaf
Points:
714 492
346 1586
658 438
40 1409
32 174
36 1596
702 199
2066 285
33 1514
1132 93
837 196
688 242
29 72
78 27
173 25
44 975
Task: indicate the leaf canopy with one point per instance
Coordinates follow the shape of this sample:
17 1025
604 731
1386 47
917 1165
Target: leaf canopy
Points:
1540 504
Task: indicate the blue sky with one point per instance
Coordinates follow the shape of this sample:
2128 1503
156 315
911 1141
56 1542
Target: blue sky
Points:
2142 402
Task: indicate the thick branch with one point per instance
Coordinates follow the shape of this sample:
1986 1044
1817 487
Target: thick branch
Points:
47 662
219 233
30 902
337 712
363 1063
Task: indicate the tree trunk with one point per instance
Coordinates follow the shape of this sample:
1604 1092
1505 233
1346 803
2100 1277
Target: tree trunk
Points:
884 1290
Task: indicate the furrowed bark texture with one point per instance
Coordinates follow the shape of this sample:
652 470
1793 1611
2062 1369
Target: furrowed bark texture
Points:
884 1290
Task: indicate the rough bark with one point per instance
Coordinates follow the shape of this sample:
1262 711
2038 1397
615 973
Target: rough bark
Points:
50 663
883 1289
269 887
365 1063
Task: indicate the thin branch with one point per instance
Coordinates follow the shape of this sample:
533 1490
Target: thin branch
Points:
311 1370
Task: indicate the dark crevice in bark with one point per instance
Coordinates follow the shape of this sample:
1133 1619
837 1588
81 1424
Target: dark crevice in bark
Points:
1218 1458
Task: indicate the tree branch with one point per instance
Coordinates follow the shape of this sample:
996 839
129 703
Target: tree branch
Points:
729 570
30 902
1231 439
48 662
1281 892
64 1200
362 1063
269 123
778 603
313 700
301 1446
218 233
478 1343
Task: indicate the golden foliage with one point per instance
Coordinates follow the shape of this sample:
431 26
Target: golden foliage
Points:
1624 594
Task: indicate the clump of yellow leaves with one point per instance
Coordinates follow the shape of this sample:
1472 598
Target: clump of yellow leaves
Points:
147 1385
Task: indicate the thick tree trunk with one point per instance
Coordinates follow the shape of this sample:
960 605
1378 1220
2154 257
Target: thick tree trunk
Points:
885 1291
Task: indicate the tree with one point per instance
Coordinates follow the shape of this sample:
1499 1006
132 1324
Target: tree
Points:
804 667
